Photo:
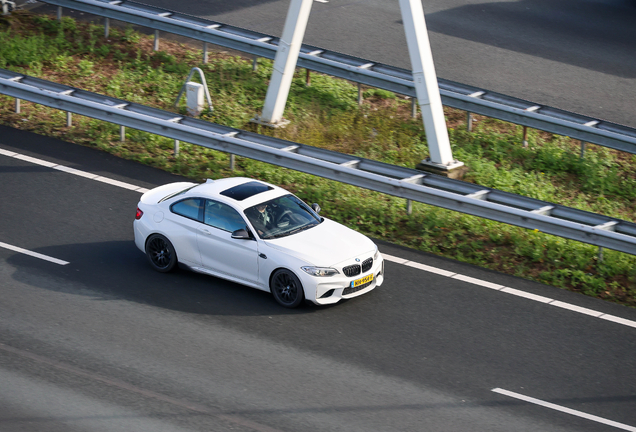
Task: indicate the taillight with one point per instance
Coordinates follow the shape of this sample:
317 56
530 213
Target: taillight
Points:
139 214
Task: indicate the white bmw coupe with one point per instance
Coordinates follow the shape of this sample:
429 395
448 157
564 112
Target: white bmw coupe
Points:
259 235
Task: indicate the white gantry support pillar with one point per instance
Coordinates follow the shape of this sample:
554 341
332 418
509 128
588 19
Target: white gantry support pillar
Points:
285 63
426 88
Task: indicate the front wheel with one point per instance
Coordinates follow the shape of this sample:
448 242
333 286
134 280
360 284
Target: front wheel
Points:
287 289
161 253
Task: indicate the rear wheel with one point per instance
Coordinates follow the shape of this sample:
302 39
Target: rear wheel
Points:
287 289
161 253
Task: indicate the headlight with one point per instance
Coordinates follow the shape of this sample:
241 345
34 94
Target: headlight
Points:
320 271
377 254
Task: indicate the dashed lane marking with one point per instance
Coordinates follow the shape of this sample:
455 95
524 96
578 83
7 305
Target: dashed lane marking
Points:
33 254
564 409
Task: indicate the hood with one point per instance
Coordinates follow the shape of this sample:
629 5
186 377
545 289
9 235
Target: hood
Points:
325 245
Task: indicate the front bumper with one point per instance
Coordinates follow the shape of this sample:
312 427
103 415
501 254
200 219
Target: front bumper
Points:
329 290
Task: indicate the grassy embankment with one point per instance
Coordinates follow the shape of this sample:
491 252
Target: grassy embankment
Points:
325 114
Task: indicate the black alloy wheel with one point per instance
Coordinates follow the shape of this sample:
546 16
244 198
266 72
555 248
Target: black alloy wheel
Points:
161 253
287 289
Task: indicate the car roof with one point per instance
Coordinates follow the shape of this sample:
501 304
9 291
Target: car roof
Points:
213 189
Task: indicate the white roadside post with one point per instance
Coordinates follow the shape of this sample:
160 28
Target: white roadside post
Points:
285 64
425 79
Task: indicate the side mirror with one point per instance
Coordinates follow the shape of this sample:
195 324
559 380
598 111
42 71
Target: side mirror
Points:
315 207
241 234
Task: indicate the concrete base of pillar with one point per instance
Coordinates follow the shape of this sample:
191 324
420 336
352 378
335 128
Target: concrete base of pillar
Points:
280 124
454 170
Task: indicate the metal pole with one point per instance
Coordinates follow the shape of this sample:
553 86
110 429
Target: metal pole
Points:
17 106
232 162
425 81
176 148
122 133
254 64
409 206
106 26
59 13
285 60
69 119
155 46
600 254
205 52
525 136
359 94
583 147
308 78
469 121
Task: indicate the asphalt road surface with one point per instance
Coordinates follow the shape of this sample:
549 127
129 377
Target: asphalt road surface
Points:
578 55
105 343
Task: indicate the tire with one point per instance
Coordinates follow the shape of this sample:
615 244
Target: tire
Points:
286 288
161 253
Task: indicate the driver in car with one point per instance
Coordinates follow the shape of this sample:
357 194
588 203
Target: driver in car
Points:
262 219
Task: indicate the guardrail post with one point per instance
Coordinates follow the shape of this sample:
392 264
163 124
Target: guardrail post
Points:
59 13
308 78
155 46
232 162
205 52
583 147
122 133
469 121
525 136
106 26
600 254
409 206
359 94
254 64
176 148
17 106
69 119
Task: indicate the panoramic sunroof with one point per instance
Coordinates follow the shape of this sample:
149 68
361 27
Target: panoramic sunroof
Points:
246 190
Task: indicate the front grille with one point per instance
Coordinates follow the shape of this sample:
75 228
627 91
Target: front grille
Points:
351 290
352 270
367 264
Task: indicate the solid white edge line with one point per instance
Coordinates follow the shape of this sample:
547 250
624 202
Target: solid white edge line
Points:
387 257
618 320
479 282
575 308
565 410
527 295
33 254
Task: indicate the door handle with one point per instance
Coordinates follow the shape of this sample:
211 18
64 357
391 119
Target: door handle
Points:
204 231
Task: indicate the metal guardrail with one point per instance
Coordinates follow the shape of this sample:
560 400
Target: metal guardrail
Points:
465 97
393 180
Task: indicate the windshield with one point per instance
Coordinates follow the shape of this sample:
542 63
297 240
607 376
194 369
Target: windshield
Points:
281 217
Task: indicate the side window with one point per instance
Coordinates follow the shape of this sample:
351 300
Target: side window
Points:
189 208
222 216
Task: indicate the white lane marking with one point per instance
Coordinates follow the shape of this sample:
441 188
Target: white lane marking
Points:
74 171
527 295
33 254
575 308
565 410
508 290
391 258
479 282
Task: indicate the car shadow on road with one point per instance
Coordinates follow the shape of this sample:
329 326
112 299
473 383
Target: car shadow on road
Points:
118 270
583 29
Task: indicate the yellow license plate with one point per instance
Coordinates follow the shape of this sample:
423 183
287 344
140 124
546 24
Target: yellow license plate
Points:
356 283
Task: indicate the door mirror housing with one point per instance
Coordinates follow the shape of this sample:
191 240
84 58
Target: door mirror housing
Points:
241 234
315 207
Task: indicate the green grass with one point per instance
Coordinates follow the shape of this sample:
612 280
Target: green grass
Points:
326 114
